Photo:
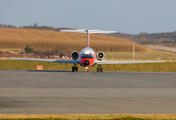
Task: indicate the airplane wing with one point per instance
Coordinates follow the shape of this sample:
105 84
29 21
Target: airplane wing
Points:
49 60
125 62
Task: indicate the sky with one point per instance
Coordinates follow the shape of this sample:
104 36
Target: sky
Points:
125 16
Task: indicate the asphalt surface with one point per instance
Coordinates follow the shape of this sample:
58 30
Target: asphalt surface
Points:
64 92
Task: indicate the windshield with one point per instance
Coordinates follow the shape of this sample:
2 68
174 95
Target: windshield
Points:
87 55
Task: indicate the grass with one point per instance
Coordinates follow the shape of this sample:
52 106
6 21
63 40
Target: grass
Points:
88 116
150 55
11 49
48 40
145 67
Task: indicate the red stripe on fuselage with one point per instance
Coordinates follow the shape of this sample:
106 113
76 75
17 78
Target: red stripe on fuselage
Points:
91 61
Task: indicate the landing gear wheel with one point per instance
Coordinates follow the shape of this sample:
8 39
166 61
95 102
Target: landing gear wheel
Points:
73 69
98 69
86 70
76 69
101 69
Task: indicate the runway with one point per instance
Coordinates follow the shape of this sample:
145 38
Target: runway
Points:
65 92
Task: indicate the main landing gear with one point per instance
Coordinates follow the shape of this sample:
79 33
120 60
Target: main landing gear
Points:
99 69
74 68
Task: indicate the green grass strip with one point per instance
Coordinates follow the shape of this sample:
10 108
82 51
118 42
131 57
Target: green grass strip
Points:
144 67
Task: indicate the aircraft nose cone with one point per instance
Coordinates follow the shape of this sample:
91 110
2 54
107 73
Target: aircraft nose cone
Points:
86 62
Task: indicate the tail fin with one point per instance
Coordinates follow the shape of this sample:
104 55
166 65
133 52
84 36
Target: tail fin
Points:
88 31
88 38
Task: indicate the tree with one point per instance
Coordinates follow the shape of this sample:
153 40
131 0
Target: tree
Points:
35 25
28 49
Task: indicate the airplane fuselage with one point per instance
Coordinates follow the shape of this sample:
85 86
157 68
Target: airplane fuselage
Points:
87 57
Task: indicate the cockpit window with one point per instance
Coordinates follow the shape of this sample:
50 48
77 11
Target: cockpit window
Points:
87 55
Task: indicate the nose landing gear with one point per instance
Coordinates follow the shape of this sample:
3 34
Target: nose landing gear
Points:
86 69
99 69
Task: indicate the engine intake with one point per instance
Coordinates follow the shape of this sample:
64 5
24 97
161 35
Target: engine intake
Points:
75 55
100 55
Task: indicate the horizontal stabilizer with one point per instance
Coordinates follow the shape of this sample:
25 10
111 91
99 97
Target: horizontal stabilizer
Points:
90 31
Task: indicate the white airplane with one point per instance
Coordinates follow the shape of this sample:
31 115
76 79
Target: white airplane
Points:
87 57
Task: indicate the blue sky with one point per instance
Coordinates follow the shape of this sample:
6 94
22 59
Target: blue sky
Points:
126 16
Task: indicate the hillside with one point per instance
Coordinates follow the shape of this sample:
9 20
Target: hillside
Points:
165 39
61 41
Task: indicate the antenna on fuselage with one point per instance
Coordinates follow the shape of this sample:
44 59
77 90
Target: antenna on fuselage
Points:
88 31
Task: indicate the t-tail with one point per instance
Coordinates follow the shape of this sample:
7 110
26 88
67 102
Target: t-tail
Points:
88 31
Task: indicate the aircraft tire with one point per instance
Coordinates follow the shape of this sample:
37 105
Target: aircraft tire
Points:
73 69
98 69
101 69
76 69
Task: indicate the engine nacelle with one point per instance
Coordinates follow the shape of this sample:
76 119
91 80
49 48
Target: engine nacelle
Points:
75 55
100 55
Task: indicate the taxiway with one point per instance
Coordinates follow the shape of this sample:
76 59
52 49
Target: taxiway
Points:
65 92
